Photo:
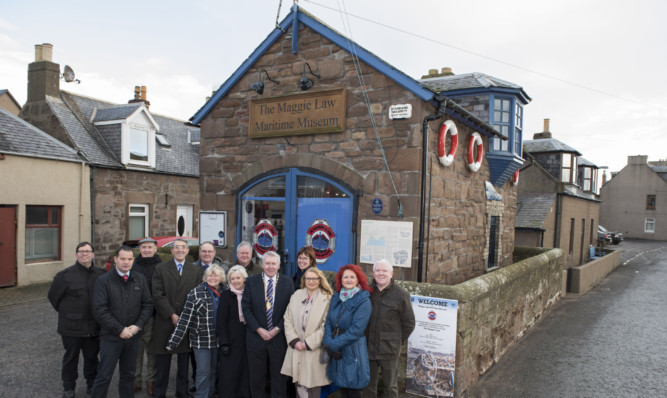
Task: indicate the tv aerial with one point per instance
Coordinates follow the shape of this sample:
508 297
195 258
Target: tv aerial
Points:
68 75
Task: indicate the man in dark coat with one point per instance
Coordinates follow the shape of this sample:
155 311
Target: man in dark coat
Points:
71 294
244 258
392 321
145 264
172 281
122 305
264 302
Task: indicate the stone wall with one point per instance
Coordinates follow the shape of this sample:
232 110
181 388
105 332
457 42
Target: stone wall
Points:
457 205
115 190
496 309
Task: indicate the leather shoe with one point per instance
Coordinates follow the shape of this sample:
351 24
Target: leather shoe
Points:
136 387
68 394
149 388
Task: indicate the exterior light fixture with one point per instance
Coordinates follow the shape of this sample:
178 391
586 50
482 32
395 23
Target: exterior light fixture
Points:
259 85
306 83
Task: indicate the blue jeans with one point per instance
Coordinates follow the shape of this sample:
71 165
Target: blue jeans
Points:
112 352
207 361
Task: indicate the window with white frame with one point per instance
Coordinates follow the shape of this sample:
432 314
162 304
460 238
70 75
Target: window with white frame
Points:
568 170
42 232
138 145
502 111
138 221
649 225
518 126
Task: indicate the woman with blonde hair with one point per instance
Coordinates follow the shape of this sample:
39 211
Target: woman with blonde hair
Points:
304 330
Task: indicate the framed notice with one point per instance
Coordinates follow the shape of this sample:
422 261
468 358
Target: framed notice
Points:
213 227
390 240
432 348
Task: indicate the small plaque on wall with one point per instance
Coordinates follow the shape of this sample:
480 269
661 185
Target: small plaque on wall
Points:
400 111
295 114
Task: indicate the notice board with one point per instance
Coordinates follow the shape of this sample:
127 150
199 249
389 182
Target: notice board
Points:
213 227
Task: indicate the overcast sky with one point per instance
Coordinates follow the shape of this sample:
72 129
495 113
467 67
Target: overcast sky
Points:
597 69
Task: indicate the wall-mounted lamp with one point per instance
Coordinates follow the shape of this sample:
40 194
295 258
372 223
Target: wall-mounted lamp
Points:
259 86
306 83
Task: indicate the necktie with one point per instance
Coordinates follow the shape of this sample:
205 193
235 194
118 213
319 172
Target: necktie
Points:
269 305
125 278
180 268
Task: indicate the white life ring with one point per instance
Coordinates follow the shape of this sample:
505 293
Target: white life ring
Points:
446 160
515 177
475 141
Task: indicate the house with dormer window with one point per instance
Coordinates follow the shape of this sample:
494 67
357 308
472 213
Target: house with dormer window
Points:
557 201
144 167
495 101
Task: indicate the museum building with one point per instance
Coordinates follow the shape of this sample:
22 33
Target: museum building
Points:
316 141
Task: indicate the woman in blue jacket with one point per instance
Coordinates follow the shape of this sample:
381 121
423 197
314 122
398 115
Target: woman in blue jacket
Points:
348 316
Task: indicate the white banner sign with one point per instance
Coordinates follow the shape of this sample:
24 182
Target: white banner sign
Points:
432 348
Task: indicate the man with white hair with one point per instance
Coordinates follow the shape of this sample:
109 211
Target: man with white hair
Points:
244 258
392 321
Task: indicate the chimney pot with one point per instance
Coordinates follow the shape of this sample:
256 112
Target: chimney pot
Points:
143 93
433 72
446 71
47 52
546 125
38 52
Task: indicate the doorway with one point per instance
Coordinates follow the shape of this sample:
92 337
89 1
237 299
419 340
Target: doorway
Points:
292 208
184 220
7 246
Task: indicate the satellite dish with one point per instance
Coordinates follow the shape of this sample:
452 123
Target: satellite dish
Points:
68 75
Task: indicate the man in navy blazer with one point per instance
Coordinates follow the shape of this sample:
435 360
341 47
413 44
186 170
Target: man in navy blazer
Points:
264 302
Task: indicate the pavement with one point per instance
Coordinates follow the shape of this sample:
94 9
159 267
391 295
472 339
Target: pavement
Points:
23 294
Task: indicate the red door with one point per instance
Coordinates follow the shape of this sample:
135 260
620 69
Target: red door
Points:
7 246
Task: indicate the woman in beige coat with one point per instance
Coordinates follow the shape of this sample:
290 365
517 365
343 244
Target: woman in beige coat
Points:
304 330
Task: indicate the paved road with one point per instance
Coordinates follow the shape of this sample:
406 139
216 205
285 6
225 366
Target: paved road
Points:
610 342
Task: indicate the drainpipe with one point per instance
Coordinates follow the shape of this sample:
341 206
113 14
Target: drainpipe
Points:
558 215
442 102
92 204
82 183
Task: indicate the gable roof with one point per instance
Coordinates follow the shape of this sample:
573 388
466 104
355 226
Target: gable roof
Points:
18 137
296 16
11 97
74 112
533 209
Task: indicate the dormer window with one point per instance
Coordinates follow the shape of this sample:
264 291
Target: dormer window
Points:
589 177
507 118
568 170
138 144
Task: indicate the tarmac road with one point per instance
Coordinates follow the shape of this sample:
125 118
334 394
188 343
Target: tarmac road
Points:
609 342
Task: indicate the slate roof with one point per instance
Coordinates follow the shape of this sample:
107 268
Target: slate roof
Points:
547 145
585 162
75 112
18 137
661 170
533 209
466 81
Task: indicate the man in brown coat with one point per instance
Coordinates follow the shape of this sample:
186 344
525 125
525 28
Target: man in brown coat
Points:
392 321
172 281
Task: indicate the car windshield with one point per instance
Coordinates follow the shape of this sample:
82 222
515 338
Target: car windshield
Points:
601 228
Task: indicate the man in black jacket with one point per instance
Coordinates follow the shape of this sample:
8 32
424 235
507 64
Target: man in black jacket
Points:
71 294
145 264
122 304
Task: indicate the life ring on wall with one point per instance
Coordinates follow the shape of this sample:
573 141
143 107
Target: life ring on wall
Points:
475 141
515 177
448 159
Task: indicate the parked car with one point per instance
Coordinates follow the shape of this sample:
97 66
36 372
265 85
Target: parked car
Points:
162 241
609 236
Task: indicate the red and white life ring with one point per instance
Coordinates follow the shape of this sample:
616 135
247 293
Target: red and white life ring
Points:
446 160
515 177
475 141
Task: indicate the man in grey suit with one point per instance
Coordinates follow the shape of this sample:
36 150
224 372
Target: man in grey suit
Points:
172 281
264 302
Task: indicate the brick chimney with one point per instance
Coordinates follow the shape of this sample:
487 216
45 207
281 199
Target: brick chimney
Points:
638 159
446 71
43 74
545 134
140 96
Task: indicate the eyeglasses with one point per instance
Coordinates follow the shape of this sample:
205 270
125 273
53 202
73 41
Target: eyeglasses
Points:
312 279
85 251
304 258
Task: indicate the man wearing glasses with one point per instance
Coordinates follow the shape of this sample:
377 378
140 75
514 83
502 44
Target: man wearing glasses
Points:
172 281
71 294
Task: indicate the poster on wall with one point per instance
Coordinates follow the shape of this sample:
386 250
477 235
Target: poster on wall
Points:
391 240
432 348
213 227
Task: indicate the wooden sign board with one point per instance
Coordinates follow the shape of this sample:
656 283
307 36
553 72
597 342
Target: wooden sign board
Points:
296 114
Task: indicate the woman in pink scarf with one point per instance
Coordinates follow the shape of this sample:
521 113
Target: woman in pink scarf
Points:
231 330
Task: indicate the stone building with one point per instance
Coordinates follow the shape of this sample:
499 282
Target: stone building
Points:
316 141
633 201
557 204
143 167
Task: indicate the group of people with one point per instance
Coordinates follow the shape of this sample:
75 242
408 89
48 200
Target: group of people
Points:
239 328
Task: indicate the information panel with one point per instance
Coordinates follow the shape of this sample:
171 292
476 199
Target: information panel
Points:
432 348
391 240
213 227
